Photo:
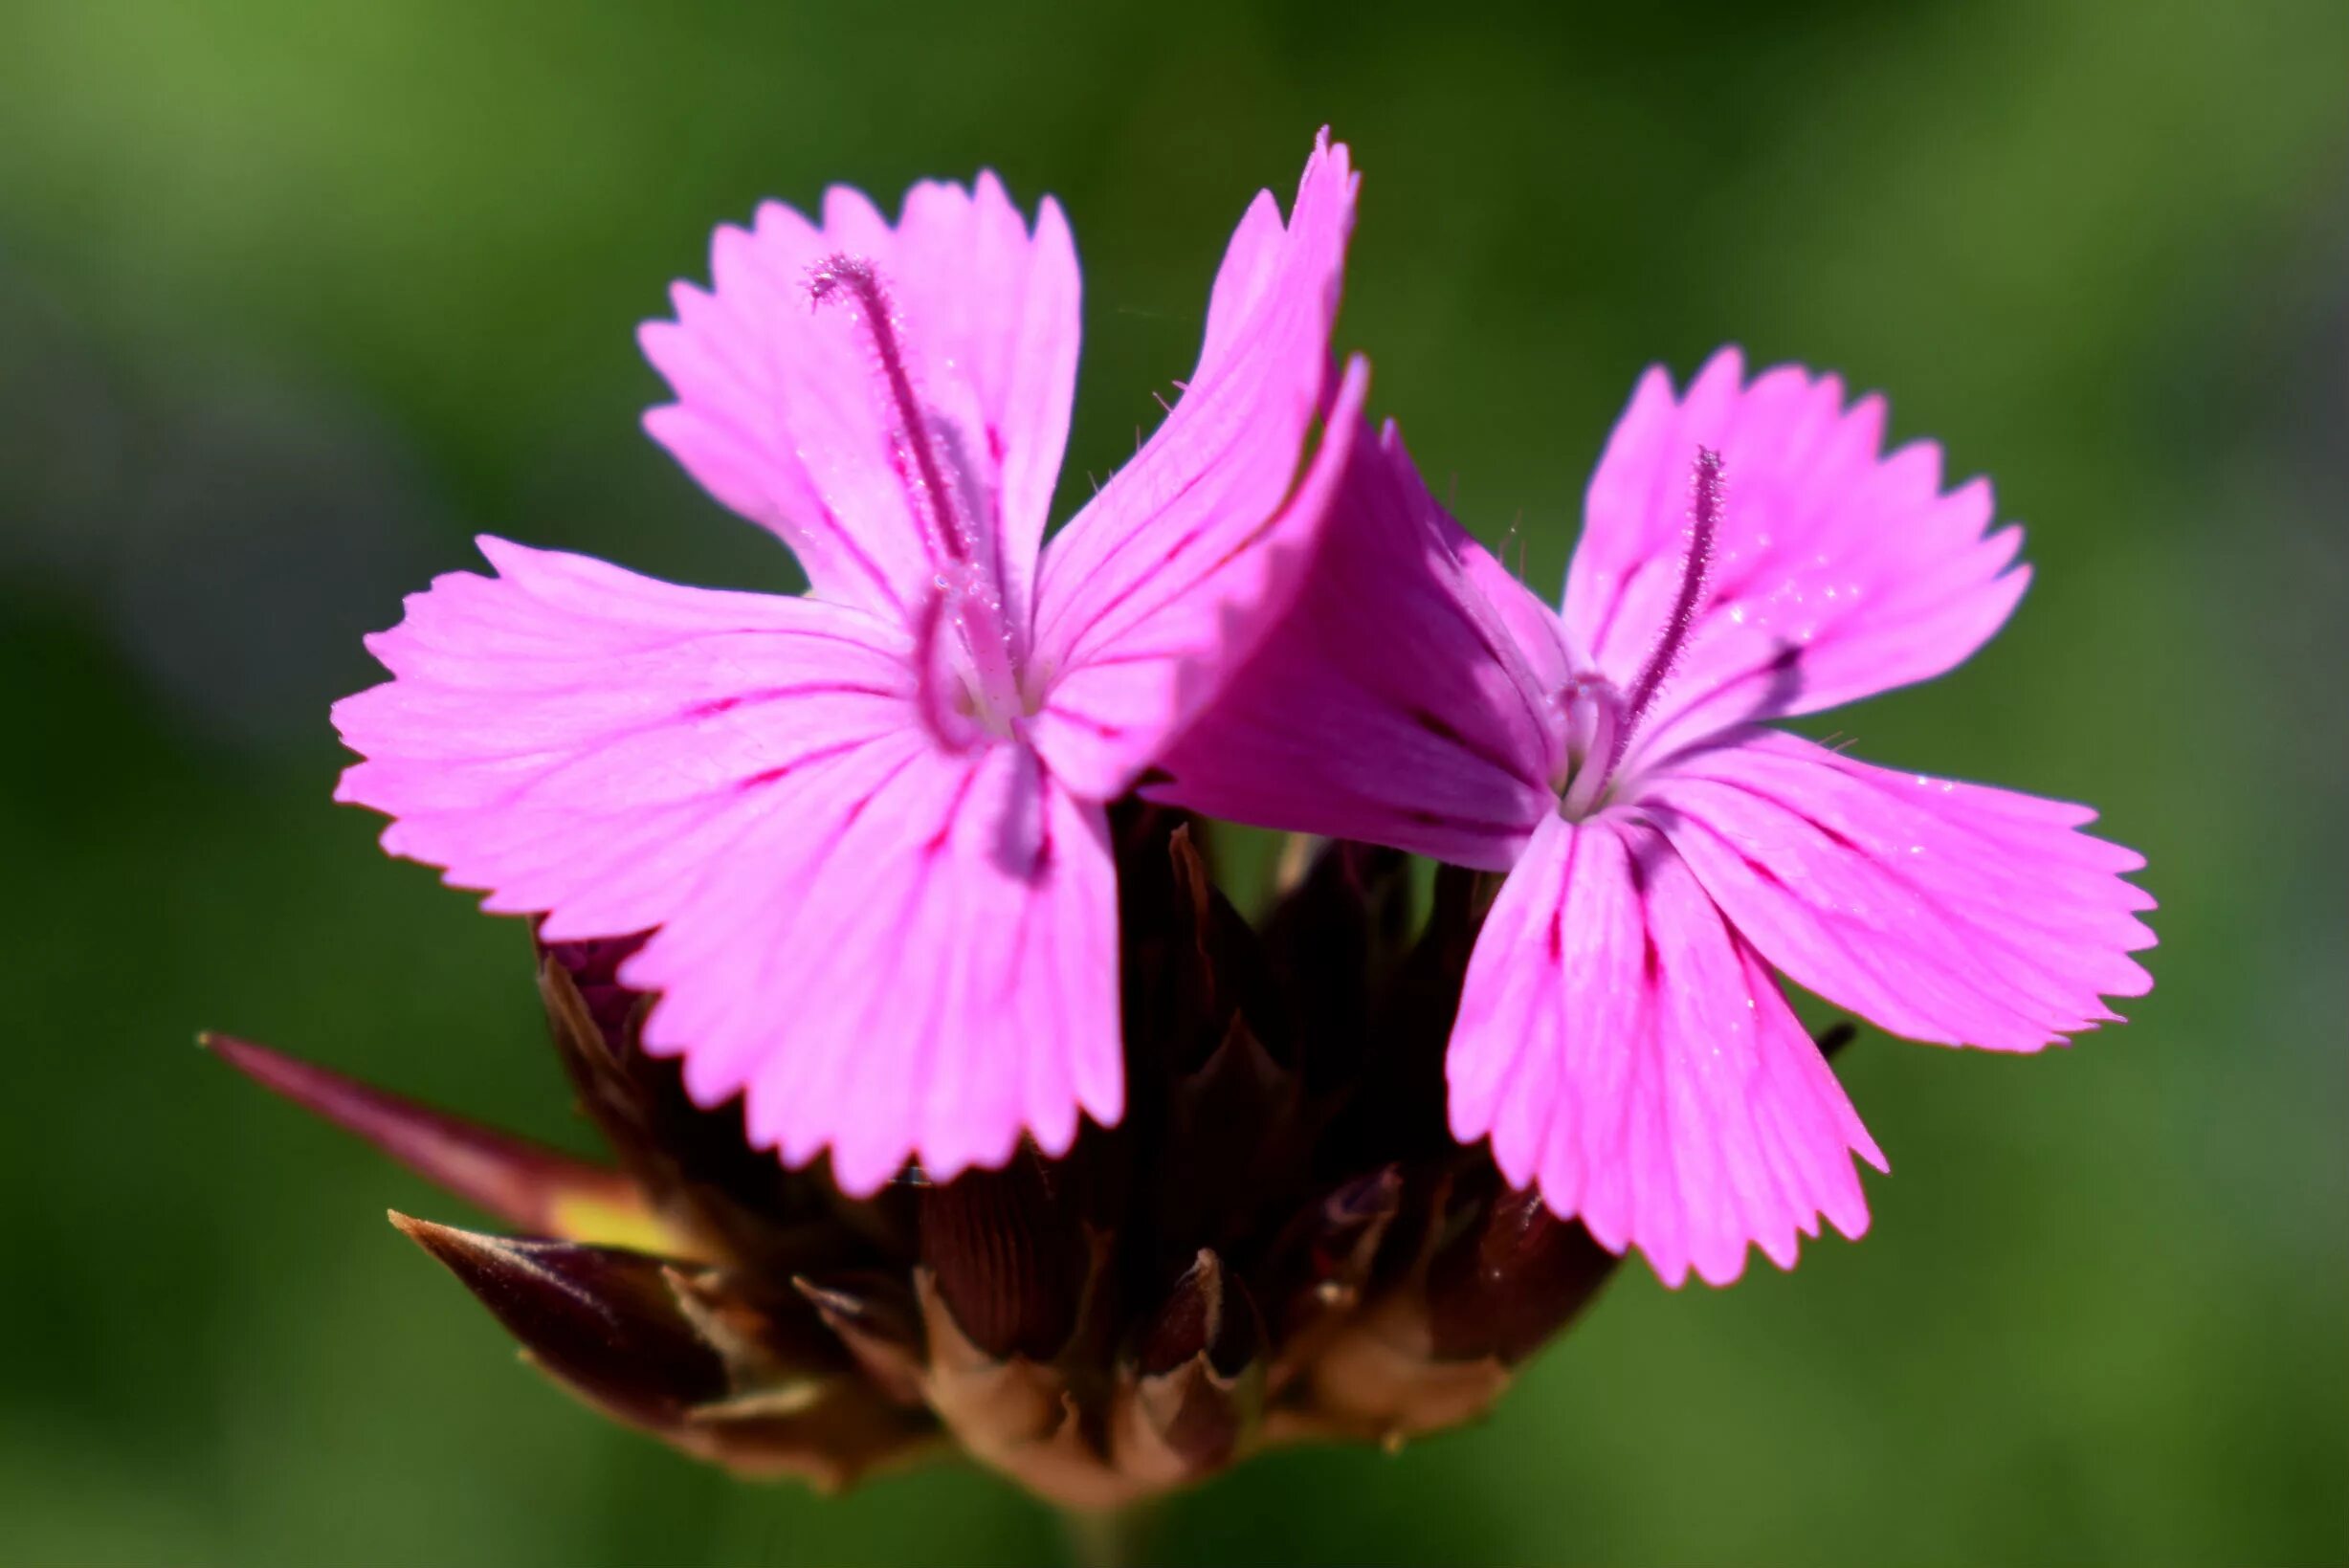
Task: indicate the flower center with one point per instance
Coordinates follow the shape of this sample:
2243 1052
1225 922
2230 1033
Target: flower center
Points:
1593 710
1602 721
963 630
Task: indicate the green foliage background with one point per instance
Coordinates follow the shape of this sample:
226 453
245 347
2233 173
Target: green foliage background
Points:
295 296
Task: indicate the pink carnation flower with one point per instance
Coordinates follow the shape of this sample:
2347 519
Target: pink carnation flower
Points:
866 825
1748 553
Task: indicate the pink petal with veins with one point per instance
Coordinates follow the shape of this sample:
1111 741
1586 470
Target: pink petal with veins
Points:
1626 1050
576 740
748 774
922 963
1941 911
783 415
864 826
1168 577
1839 571
1393 704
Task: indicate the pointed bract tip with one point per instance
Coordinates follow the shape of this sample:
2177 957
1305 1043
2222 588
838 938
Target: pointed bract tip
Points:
444 1241
468 1254
607 1323
1207 1313
878 1322
525 1184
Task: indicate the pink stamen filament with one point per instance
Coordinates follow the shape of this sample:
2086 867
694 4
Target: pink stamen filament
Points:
1704 521
1598 698
946 727
1616 716
994 678
853 276
966 590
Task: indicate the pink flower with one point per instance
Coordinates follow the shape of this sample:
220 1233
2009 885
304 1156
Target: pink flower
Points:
1748 553
866 824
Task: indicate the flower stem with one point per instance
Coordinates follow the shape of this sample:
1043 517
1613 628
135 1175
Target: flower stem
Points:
1104 1539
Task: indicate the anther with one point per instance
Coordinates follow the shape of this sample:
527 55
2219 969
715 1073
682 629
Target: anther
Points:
852 276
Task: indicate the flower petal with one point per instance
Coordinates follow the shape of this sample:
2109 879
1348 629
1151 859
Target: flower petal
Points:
1837 571
783 413
1941 911
749 774
1171 573
577 740
1392 704
923 965
1625 1050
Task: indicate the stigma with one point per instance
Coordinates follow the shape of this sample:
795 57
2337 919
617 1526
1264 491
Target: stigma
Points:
1602 721
968 639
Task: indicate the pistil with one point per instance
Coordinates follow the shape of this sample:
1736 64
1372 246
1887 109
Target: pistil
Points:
1602 721
966 589
853 276
1704 522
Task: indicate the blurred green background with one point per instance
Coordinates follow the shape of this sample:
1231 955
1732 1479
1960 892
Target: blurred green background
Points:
295 297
